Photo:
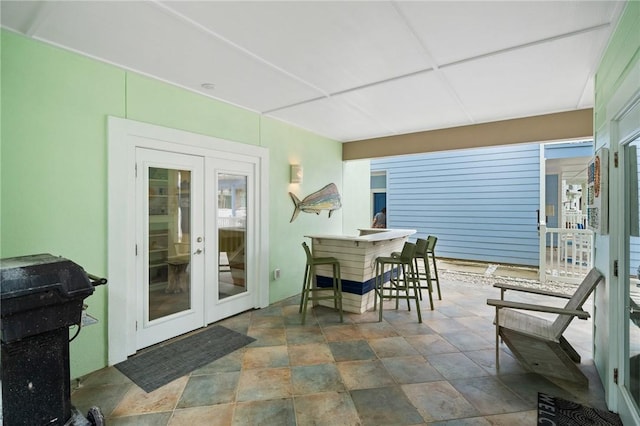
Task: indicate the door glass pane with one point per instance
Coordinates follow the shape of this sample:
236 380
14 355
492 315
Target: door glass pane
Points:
633 260
232 227
169 245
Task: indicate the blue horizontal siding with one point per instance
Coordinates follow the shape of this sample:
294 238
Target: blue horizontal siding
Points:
480 203
568 150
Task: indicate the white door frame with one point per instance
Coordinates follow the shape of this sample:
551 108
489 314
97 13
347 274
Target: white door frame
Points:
622 124
123 138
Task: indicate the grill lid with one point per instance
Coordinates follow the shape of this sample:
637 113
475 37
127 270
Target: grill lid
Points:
28 275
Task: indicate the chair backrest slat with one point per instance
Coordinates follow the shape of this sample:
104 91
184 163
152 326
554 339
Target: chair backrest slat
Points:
431 243
421 247
308 253
577 300
408 251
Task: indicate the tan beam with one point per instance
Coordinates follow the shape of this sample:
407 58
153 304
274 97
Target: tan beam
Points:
541 128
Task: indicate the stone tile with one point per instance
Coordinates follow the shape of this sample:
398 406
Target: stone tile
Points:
490 396
351 350
267 357
226 364
274 412
467 340
446 325
411 370
396 316
412 329
312 353
213 415
396 409
336 333
317 378
303 335
326 409
155 419
328 316
266 322
431 344
107 397
102 377
267 336
527 385
439 401
210 389
487 359
456 366
471 421
137 401
370 317
269 311
364 374
452 311
392 347
376 330
510 419
239 323
263 384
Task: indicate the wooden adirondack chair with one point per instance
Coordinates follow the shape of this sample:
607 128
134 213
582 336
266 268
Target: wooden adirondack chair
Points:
536 342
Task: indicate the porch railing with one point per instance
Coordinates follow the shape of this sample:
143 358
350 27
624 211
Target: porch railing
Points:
568 254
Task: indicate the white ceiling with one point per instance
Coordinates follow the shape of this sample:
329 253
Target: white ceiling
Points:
347 70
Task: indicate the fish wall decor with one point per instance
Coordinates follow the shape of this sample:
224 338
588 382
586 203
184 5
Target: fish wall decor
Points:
327 198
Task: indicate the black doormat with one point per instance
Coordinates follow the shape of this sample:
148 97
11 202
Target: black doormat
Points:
159 366
560 412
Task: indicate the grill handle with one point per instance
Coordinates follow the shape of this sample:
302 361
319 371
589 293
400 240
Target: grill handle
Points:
96 281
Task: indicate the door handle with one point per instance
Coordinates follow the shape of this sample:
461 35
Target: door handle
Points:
197 251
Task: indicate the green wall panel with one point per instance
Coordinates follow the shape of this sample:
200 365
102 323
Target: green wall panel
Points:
322 164
155 102
623 51
54 168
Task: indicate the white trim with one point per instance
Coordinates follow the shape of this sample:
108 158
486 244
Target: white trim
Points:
619 128
542 217
124 136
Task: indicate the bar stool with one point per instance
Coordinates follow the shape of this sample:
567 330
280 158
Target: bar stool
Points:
309 292
405 277
422 254
431 252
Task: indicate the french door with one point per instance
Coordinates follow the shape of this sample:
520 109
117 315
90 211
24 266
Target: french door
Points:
170 245
231 222
630 275
195 225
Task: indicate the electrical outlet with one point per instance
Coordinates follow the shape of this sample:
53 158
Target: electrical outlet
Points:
276 274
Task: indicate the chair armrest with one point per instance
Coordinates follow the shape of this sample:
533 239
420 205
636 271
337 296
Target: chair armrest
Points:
505 287
537 308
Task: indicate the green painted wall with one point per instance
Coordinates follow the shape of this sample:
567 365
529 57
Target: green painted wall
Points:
53 162
622 54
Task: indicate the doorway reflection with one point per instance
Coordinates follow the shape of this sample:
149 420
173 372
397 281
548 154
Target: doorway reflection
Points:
232 231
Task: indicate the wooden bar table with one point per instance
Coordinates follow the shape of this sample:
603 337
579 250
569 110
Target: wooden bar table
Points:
357 256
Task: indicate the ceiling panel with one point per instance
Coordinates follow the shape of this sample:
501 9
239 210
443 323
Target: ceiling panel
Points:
139 39
474 28
414 103
532 81
333 45
20 17
335 117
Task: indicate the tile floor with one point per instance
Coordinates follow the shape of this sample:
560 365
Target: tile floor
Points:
360 372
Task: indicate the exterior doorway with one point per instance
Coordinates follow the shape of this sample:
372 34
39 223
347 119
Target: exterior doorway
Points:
186 245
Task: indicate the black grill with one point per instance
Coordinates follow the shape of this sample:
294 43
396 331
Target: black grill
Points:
42 296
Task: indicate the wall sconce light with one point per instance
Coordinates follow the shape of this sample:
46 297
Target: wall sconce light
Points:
296 173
